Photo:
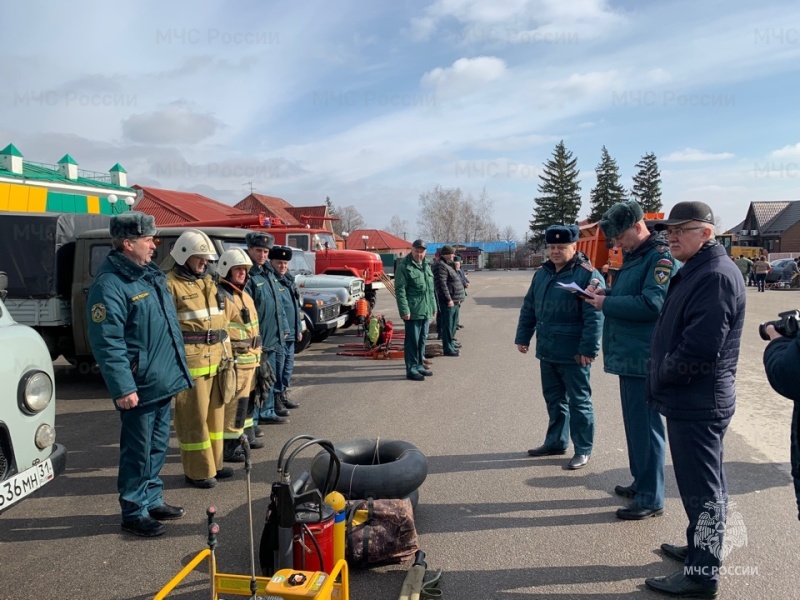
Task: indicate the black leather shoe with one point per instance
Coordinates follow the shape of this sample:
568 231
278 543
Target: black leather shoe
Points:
456 353
144 527
678 553
415 376
165 512
288 403
460 326
281 412
578 462
258 432
225 473
625 491
276 420
679 585
546 451
426 372
637 513
201 483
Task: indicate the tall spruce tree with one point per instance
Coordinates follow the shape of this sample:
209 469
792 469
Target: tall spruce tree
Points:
608 190
559 199
647 184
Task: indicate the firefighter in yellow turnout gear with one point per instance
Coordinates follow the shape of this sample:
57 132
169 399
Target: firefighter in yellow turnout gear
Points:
233 269
204 323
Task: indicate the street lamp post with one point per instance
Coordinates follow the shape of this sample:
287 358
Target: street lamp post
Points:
365 238
113 200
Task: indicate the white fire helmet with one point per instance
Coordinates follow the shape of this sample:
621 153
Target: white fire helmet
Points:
193 243
235 257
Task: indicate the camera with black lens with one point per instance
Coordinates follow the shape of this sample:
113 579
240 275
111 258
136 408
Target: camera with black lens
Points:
787 325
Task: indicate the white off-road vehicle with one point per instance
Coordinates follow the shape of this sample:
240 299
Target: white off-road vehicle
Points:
29 456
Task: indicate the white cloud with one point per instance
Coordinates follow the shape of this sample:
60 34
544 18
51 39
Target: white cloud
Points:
464 76
787 152
520 21
175 124
694 155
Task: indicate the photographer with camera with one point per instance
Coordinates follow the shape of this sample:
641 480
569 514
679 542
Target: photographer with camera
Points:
781 362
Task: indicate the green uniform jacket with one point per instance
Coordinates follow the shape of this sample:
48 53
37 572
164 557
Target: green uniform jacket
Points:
565 325
134 331
263 288
633 305
413 287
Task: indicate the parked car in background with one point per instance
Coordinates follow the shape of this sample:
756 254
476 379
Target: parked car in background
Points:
29 455
347 288
777 269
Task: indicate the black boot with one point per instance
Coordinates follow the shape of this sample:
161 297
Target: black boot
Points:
286 402
280 410
232 451
253 439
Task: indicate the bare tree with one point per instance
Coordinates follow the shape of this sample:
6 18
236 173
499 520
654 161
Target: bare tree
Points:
447 215
398 226
508 234
349 219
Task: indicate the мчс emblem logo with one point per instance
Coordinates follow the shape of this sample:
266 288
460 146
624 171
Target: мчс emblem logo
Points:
99 313
716 535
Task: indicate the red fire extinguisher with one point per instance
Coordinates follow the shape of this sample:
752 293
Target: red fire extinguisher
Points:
298 533
313 537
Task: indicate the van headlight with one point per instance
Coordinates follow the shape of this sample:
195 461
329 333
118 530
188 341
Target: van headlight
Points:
45 436
35 392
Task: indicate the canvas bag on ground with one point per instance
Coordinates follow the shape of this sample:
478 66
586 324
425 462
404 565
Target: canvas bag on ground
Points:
380 531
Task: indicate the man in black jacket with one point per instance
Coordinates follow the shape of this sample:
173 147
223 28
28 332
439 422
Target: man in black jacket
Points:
690 380
449 296
782 363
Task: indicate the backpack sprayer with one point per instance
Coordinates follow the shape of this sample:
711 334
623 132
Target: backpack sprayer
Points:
307 516
301 525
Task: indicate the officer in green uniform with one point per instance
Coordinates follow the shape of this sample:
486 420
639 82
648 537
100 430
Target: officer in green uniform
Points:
137 342
413 285
567 341
630 310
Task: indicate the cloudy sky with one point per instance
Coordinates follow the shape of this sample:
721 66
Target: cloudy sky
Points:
372 103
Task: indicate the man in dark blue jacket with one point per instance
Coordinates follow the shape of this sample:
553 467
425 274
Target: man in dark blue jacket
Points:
137 342
782 363
279 257
449 292
567 341
263 288
630 310
691 381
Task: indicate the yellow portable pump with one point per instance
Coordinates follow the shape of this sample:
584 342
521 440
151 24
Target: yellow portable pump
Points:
290 584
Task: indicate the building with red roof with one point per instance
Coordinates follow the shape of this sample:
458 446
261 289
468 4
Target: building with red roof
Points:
278 208
169 206
377 240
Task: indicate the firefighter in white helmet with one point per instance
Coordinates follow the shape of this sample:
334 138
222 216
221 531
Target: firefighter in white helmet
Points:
233 269
204 324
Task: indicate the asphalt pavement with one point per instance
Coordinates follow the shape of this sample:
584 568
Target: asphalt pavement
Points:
501 525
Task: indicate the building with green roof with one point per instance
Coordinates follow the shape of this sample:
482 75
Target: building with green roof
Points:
27 186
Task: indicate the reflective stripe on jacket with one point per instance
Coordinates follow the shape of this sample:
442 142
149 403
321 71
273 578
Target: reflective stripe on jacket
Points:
238 304
198 311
